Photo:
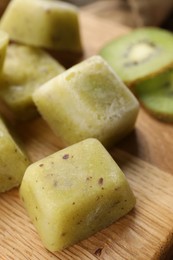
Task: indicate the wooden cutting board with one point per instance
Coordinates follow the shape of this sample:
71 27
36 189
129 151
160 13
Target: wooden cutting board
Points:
147 231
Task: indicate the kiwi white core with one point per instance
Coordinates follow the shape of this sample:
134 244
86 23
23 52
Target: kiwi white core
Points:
141 52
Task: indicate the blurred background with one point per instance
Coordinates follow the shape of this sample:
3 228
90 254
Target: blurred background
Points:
133 13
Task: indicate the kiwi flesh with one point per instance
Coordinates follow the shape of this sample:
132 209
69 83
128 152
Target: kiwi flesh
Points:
141 54
156 95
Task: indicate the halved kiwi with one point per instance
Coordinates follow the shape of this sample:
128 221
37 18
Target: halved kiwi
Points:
141 54
156 95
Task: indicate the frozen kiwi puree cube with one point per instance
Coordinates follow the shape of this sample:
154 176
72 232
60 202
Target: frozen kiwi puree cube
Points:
88 100
3 45
25 69
13 161
74 193
50 24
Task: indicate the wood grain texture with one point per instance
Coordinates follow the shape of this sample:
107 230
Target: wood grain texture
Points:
147 231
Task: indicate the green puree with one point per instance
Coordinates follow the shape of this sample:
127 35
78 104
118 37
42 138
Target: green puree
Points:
3 45
74 193
25 69
88 100
49 24
13 161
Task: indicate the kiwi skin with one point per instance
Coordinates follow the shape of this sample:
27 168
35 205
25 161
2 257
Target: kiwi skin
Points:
156 96
161 59
153 75
132 85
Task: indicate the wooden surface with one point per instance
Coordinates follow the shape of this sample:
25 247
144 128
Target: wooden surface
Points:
133 13
147 231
